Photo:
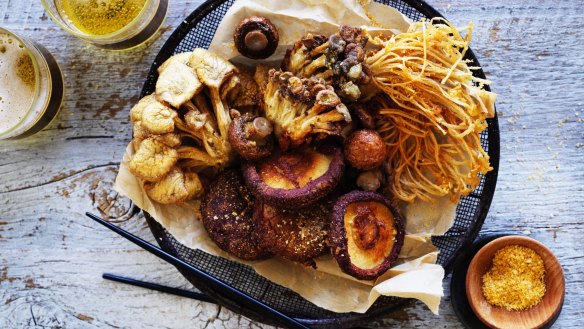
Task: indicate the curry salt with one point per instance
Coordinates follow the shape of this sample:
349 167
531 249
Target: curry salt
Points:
516 281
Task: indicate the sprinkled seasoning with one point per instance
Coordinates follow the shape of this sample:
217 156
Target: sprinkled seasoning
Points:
101 17
516 281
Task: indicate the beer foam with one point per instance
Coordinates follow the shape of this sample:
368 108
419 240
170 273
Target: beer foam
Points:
17 81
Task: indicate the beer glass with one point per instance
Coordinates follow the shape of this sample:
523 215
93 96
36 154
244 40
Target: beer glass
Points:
110 24
31 86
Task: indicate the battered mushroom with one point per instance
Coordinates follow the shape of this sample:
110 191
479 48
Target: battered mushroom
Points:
177 81
175 187
298 235
301 109
295 178
227 211
152 160
256 37
366 234
250 136
365 149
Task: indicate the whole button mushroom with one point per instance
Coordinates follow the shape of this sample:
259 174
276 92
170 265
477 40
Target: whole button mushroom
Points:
256 37
365 149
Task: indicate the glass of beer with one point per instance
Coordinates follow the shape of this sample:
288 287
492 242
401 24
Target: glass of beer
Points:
110 24
31 86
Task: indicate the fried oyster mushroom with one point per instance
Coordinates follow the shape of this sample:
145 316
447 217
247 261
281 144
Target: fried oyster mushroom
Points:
175 187
366 234
296 178
227 210
177 80
301 109
174 146
152 160
298 235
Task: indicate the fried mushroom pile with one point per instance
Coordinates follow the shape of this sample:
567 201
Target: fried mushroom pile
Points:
180 131
270 153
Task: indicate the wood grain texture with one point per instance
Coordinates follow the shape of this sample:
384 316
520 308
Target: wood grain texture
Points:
51 257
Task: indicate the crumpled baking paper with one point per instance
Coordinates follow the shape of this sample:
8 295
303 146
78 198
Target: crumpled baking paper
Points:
416 275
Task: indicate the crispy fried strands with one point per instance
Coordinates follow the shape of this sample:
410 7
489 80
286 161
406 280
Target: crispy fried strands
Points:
423 71
437 109
423 163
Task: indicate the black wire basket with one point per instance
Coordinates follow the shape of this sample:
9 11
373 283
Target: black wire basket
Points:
198 31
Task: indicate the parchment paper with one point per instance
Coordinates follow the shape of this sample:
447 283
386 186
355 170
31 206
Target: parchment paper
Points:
415 276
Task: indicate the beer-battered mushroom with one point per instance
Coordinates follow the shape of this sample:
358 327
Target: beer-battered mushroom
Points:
250 136
338 59
256 37
365 150
298 235
227 211
366 234
302 109
152 160
295 178
213 70
175 187
177 81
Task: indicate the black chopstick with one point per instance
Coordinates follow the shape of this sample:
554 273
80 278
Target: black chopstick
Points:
159 287
212 282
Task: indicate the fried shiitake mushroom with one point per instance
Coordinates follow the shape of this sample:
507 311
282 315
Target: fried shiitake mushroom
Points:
366 234
298 235
365 150
295 178
250 136
256 37
227 211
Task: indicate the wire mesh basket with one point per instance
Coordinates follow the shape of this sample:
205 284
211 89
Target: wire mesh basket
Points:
198 31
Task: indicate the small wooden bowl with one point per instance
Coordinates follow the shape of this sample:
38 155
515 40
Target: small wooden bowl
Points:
497 317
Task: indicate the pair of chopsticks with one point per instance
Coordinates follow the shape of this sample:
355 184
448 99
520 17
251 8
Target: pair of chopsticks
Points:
217 285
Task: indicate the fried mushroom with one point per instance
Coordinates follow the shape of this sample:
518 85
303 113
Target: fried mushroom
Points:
250 136
152 160
298 235
175 187
177 81
296 178
365 150
302 109
366 234
256 37
227 211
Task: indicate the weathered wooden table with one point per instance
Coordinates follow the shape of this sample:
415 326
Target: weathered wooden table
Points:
52 257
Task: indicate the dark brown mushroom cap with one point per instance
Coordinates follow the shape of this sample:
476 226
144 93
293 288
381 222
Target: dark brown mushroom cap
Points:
298 235
295 178
227 211
256 37
365 229
249 143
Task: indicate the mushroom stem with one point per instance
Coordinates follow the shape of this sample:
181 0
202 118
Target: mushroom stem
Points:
261 127
255 40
